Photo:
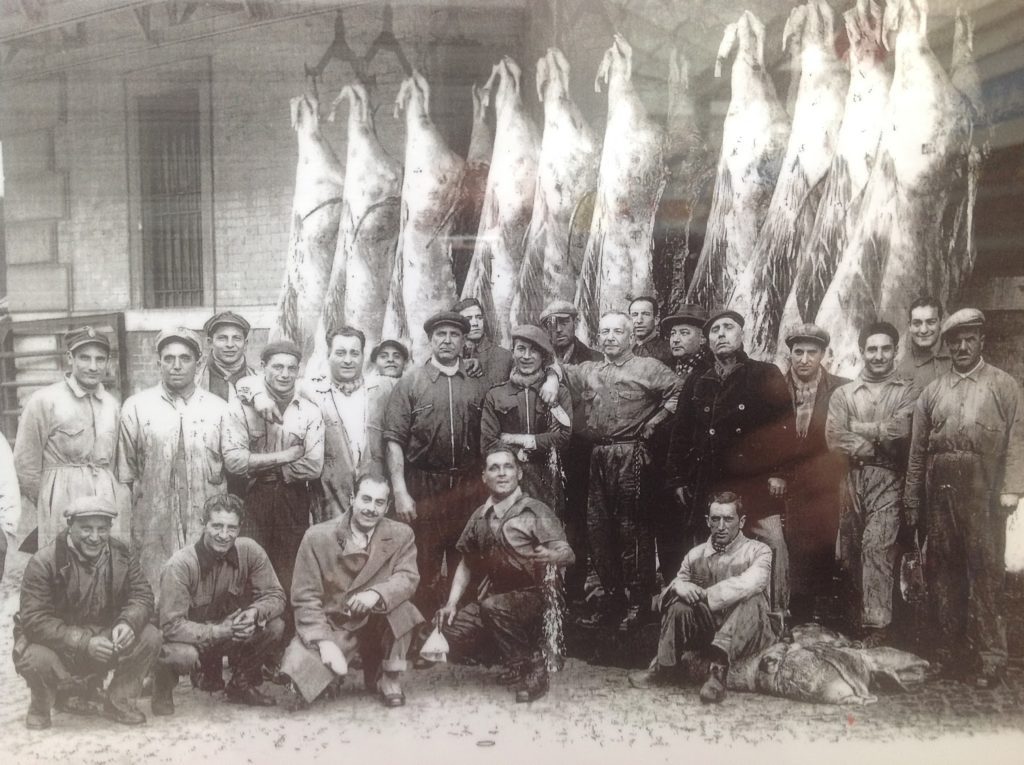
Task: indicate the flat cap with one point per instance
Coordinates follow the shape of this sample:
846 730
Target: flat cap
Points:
82 506
281 346
965 317
535 335
808 333
225 317
558 308
76 338
446 317
722 313
389 344
181 334
688 313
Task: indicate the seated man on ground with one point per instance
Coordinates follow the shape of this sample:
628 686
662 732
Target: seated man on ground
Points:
219 597
506 547
717 605
85 610
354 576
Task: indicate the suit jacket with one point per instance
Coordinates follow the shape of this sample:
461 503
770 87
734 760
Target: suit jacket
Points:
321 586
46 615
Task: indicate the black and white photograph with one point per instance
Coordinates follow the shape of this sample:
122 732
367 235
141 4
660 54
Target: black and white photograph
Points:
494 381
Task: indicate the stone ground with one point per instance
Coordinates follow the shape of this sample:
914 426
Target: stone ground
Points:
457 714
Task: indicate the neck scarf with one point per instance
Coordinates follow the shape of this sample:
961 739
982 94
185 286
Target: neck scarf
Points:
349 387
282 399
527 381
227 372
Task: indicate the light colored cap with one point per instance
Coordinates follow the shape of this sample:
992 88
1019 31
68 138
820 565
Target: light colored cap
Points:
965 317
810 333
182 334
90 505
558 308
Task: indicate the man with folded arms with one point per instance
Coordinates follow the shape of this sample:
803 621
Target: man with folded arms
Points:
354 577
85 610
219 597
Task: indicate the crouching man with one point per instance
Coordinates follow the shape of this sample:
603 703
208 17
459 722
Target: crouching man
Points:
506 546
219 597
717 605
354 576
85 610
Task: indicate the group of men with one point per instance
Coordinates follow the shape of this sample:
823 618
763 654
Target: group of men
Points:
253 502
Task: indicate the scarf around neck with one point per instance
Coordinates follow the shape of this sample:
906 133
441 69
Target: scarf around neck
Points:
349 387
227 372
527 381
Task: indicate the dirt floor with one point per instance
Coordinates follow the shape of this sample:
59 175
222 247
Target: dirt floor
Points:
457 714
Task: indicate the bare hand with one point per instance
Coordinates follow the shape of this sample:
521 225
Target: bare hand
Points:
363 602
688 592
405 507
541 554
266 408
682 496
1009 501
122 636
293 453
549 390
473 367
332 656
648 430
777 487
445 615
243 626
100 649
511 438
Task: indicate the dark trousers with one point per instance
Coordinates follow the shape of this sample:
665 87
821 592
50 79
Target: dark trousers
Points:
444 502
245 657
672 535
48 673
742 630
576 466
618 522
506 628
276 517
964 566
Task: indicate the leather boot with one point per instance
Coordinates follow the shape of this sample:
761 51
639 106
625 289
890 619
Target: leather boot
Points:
511 675
535 682
38 717
713 690
655 676
164 680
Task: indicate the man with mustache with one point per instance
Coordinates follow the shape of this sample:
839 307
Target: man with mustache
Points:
432 442
733 431
625 397
219 597
354 578
67 437
926 358
169 454
717 606
966 474
85 611
869 422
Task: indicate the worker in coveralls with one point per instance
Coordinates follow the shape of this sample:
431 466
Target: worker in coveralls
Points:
869 421
966 473
625 397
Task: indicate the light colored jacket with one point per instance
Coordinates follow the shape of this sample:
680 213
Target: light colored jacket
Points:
741 570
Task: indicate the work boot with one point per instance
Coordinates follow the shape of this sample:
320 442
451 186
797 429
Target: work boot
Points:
249 695
164 680
123 715
84 701
655 676
534 684
38 717
207 679
713 690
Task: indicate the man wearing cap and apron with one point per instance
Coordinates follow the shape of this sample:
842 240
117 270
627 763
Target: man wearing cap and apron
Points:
732 432
869 422
432 442
67 437
965 475
85 611
560 318
812 513
515 416
281 461
169 454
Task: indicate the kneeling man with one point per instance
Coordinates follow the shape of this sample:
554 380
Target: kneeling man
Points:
718 603
85 610
354 576
219 597
506 546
